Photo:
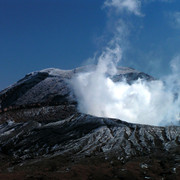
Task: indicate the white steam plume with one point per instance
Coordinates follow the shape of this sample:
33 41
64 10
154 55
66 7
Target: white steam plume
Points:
145 102
131 6
154 102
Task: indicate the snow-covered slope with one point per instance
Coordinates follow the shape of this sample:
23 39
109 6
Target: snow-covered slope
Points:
50 87
80 135
39 119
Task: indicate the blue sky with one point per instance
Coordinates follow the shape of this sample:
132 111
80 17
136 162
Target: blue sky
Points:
38 34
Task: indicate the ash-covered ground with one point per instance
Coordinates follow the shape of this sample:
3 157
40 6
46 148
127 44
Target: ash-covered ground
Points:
43 135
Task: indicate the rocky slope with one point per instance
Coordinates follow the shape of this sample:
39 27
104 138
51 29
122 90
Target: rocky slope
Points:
40 126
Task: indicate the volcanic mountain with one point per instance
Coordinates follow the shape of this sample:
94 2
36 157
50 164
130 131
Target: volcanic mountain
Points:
44 136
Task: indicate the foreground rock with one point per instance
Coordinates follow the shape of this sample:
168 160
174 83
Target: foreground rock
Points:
42 135
84 135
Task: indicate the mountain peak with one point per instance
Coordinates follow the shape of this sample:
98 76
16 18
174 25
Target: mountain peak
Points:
40 124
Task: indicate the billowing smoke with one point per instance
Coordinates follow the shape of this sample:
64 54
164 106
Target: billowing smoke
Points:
155 102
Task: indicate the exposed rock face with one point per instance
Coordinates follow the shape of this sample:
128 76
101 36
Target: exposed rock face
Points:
85 135
50 87
39 119
46 95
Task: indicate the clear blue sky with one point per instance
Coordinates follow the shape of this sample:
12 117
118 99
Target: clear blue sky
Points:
38 34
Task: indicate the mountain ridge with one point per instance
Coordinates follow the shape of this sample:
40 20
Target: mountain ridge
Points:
41 123
27 90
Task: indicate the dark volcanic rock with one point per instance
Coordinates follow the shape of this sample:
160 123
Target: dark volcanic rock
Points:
85 135
40 125
96 147
39 94
50 87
